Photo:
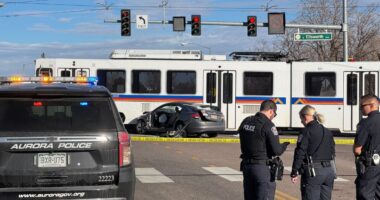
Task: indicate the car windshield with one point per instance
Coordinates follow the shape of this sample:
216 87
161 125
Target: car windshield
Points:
74 114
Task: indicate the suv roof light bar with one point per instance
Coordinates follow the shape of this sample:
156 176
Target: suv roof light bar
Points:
48 79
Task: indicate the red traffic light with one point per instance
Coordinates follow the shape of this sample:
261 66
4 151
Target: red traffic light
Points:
251 26
195 25
125 22
252 20
125 13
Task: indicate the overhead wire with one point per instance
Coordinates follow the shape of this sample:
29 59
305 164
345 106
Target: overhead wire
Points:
95 7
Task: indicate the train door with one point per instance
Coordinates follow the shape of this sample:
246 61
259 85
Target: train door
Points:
219 88
357 84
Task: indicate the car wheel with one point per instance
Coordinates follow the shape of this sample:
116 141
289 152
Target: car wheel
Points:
180 130
141 127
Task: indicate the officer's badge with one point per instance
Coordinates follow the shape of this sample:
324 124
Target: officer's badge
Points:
274 130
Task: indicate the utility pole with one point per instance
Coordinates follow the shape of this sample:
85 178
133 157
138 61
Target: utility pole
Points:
345 32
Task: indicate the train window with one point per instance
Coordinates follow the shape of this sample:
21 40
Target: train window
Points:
227 88
146 81
352 89
369 81
65 73
181 82
44 72
258 83
211 88
113 80
320 84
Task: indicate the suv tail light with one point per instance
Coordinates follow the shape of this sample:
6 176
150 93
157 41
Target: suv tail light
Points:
124 149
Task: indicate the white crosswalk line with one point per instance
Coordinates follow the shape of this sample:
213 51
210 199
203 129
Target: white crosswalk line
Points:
288 168
341 180
226 172
151 175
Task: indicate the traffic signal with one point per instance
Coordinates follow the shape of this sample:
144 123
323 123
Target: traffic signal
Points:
125 16
196 25
251 26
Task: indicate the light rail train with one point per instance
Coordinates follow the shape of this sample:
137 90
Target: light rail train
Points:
141 80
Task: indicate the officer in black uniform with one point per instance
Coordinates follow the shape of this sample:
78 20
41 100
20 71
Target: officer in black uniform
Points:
367 150
259 143
314 157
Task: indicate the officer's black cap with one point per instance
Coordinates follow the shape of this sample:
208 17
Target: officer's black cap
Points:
268 105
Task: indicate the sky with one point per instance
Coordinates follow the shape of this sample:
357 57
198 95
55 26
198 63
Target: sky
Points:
83 28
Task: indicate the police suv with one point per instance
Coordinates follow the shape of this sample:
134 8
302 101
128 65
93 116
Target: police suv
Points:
60 140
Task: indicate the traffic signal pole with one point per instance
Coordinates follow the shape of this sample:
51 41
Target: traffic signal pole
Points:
343 27
345 32
304 26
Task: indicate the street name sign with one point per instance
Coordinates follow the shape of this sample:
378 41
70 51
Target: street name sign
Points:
312 36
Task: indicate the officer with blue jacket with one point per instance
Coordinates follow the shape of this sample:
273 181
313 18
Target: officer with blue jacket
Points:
259 143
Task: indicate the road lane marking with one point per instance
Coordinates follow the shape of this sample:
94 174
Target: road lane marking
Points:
194 158
151 175
282 195
341 180
226 173
236 176
288 168
219 140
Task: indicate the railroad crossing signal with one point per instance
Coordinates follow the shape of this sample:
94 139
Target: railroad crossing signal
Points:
251 26
125 15
196 25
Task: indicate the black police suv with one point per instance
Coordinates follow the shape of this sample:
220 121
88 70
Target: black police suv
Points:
63 141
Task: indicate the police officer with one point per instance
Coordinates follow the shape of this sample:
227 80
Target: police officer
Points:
313 157
259 142
366 149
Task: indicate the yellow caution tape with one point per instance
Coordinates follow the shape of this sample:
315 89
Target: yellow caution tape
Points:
219 140
187 140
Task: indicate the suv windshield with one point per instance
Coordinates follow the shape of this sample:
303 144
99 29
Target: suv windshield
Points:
63 114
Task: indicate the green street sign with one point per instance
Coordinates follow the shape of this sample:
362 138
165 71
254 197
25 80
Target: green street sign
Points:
312 36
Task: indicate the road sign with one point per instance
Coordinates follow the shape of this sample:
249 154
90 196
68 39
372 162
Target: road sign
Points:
312 36
141 21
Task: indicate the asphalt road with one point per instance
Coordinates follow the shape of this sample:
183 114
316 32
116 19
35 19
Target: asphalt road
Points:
172 170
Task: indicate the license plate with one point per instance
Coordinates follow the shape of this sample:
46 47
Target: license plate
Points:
52 160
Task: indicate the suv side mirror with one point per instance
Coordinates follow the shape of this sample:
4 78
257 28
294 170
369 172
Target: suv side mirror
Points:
122 116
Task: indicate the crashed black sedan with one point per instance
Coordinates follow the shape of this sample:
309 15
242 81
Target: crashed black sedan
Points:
181 119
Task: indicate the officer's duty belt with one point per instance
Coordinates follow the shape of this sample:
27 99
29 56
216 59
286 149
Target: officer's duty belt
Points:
321 164
256 162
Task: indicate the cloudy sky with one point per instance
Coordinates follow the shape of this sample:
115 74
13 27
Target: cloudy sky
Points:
76 28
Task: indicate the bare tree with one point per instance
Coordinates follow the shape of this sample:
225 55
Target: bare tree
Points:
363 25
